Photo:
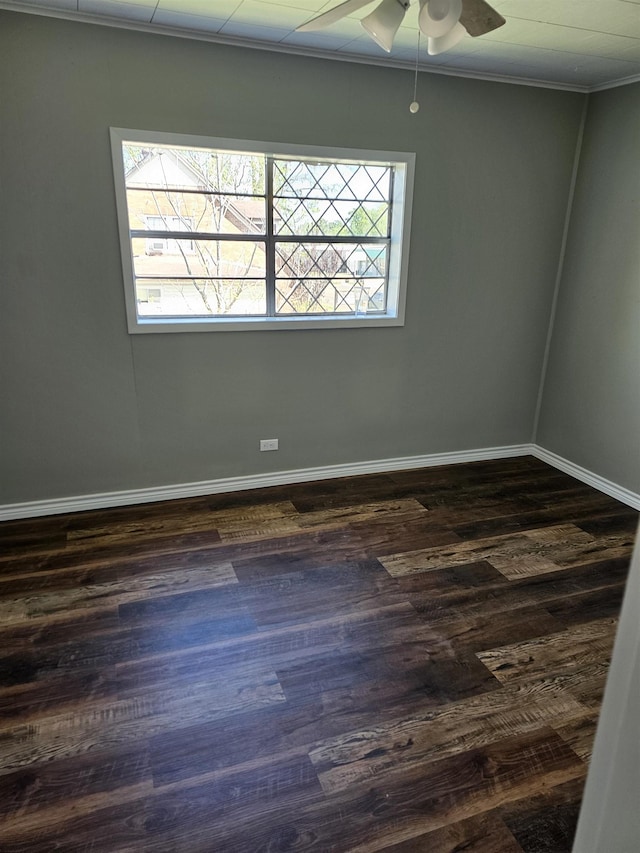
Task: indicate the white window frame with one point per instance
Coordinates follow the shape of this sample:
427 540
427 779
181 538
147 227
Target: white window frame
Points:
401 208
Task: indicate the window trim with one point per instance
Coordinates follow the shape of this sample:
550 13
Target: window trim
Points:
402 198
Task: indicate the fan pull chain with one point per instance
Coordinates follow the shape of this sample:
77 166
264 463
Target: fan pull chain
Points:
414 106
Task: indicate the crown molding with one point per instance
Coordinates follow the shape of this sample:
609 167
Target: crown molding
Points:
626 81
294 50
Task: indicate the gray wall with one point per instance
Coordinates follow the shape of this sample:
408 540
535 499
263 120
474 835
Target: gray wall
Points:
591 404
88 408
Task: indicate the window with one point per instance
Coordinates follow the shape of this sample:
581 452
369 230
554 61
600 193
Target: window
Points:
223 234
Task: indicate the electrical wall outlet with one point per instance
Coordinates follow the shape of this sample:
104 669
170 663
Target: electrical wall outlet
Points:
268 444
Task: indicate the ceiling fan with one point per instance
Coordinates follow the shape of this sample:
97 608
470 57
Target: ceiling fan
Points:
444 22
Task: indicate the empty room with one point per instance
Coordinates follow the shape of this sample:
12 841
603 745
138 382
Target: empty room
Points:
317 522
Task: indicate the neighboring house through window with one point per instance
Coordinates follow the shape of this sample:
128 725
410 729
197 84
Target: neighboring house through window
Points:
159 245
278 236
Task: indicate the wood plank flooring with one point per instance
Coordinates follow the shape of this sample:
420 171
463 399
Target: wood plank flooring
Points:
399 662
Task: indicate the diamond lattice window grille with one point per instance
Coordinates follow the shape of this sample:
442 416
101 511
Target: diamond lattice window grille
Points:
331 199
325 218
338 181
329 260
300 296
330 277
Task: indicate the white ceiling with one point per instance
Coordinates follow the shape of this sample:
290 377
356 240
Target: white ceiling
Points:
572 44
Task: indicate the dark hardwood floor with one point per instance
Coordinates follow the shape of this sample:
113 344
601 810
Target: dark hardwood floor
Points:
398 662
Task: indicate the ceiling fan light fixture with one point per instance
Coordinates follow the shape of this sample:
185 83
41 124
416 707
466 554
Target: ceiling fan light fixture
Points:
446 42
383 23
438 17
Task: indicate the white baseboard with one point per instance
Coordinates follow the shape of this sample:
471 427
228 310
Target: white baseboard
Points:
55 506
625 496
105 500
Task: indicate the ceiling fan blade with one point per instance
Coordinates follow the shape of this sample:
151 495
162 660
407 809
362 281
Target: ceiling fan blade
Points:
479 18
333 15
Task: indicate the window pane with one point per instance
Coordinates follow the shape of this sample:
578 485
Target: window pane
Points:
330 278
200 297
330 296
171 258
325 218
325 180
166 210
169 167
345 260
